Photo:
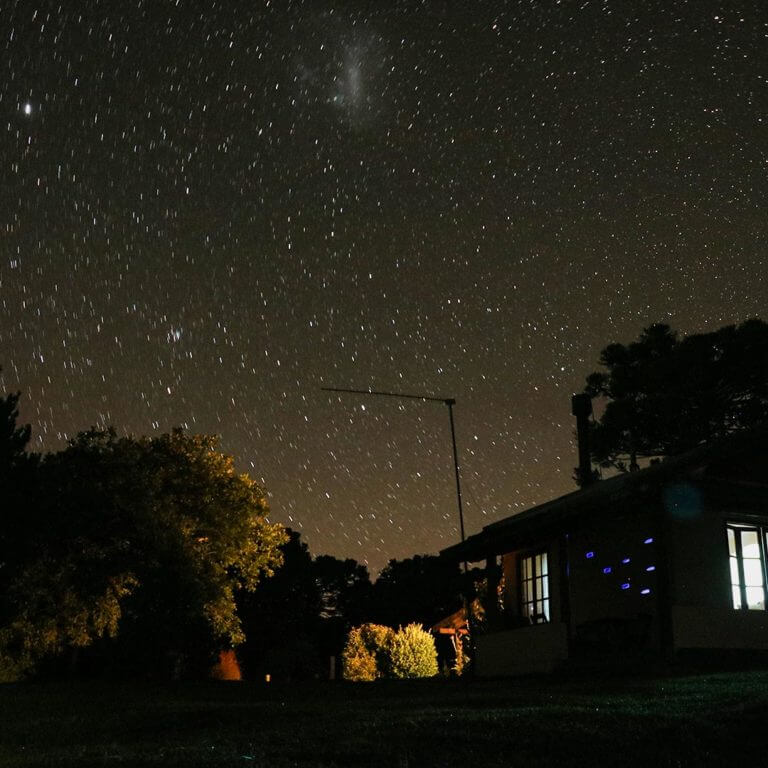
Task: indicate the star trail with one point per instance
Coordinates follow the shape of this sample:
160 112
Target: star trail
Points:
209 212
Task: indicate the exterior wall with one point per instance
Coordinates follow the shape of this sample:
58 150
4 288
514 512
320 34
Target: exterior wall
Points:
698 548
694 627
614 597
526 650
700 594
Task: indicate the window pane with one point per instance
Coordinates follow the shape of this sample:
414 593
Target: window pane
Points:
534 587
753 573
527 591
750 546
755 598
731 543
736 591
734 570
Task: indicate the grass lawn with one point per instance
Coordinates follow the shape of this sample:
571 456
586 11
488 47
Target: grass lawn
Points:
701 719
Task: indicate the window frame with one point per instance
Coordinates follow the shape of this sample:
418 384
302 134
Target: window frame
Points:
528 607
761 529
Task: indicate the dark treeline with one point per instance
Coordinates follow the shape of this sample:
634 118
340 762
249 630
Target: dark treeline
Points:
297 620
148 557
664 394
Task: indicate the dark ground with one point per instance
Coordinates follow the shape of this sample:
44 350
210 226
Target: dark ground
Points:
683 720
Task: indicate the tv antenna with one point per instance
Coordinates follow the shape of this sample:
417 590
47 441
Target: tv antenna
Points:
450 402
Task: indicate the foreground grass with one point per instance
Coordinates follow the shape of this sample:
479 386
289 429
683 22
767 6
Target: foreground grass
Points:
705 719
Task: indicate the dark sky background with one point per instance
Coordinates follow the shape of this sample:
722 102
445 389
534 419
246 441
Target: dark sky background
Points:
210 210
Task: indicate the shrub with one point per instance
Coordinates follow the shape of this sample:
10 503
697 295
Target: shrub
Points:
461 661
413 653
366 653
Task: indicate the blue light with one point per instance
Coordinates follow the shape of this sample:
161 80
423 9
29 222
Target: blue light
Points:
607 569
625 585
649 540
645 591
625 561
590 555
651 568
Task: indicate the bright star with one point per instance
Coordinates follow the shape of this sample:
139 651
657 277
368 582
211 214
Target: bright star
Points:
27 109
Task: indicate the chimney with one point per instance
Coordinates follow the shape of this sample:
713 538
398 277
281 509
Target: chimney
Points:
581 408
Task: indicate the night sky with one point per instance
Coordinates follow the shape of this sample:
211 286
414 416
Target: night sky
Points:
211 210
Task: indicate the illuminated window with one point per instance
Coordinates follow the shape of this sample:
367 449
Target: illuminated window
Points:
746 550
534 587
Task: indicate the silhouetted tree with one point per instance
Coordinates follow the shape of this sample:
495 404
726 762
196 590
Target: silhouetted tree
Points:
281 619
344 587
666 395
422 589
295 621
345 600
13 438
17 482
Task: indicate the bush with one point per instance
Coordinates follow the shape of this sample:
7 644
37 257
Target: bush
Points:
413 653
366 653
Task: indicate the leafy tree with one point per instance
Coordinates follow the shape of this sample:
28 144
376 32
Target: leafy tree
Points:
148 536
413 653
366 654
666 395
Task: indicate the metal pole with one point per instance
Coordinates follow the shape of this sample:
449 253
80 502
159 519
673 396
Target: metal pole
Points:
450 403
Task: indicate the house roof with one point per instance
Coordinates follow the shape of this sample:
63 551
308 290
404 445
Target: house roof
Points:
536 520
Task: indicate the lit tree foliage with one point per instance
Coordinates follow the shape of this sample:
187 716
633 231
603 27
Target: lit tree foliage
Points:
412 653
147 539
374 651
366 655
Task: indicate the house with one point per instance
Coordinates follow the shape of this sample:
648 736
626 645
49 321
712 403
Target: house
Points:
657 562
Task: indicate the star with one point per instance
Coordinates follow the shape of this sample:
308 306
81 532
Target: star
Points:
242 205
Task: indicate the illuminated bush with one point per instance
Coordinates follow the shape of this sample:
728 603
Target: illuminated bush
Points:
373 651
413 653
366 653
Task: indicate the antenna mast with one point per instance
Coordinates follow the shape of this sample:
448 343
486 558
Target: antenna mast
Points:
450 402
